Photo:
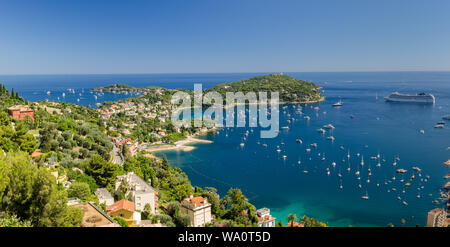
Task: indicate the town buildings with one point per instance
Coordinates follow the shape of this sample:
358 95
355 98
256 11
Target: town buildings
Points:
124 209
198 209
21 112
104 196
437 217
264 218
140 192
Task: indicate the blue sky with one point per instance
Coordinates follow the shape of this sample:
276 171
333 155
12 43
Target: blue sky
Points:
190 36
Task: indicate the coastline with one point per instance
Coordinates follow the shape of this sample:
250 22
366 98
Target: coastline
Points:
179 145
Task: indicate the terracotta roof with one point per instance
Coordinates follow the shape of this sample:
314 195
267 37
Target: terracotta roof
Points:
36 153
294 224
198 201
123 204
265 218
22 108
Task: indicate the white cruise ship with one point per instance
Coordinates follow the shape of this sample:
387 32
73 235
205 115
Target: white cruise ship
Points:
417 98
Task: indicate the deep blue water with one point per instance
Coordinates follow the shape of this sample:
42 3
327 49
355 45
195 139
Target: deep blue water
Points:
270 181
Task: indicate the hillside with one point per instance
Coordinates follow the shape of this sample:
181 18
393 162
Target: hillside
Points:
290 90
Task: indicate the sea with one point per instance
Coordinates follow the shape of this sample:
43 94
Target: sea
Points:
293 179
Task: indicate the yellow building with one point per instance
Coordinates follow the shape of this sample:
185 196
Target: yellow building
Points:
198 209
123 209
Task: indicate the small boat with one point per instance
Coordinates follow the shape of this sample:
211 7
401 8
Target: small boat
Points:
365 197
352 116
305 171
405 203
285 128
446 117
337 104
322 131
299 141
331 138
242 144
284 157
439 126
379 164
328 126
333 164
401 171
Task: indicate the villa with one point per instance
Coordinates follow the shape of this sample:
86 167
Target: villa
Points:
198 209
104 196
141 193
124 209
21 111
264 218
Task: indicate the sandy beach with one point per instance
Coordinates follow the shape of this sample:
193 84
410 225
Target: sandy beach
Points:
179 145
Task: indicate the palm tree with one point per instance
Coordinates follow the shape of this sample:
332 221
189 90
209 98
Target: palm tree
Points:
292 218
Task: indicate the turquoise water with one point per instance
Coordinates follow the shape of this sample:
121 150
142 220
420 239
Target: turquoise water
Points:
378 127
270 181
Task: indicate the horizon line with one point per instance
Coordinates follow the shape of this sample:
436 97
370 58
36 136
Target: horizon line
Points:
268 72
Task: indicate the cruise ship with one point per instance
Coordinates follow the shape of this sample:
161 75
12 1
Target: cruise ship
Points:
417 98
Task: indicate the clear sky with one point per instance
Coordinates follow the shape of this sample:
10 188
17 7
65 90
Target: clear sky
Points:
190 36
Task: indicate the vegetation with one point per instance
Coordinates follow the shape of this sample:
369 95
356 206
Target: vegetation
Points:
72 158
290 90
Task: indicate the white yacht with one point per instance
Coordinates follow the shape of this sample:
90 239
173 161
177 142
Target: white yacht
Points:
337 104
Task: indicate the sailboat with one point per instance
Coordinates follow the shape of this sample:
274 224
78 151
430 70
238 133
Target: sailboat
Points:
339 103
365 197
362 160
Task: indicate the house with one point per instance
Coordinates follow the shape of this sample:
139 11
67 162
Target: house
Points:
104 196
264 218
198 209
95 217
140 192
437 217
21 111
294 224
124 209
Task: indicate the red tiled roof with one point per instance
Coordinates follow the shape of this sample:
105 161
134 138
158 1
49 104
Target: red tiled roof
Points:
123 204
198 201
294 224
265 218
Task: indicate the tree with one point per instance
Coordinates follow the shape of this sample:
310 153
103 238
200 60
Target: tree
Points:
5 119
173 208
31 194
102 171
13 221
80 190
122 222
291 219
183 220
27 143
